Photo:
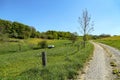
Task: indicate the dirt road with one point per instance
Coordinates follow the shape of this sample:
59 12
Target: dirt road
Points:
99 67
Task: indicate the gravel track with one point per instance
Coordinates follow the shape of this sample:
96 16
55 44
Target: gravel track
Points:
99 67
115 57
115 53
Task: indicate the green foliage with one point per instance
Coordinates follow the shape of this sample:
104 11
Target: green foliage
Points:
56 35
101 36
17 30
104 35
42 44
73 37
3 37
115 71
113 64
22 31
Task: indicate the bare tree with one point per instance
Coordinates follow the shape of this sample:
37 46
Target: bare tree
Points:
86 25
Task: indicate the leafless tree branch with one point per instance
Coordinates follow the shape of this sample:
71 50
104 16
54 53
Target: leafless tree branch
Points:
85 24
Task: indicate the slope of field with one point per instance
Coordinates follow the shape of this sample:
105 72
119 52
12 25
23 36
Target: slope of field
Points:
21 60
112 41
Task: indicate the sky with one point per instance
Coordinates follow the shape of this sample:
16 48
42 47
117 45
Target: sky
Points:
62 15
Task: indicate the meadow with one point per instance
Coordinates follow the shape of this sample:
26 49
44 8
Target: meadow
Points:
112 41
21 59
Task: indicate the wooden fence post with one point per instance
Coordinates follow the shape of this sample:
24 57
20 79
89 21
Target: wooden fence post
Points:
44 59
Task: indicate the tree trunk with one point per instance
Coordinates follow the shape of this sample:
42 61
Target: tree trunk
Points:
84 41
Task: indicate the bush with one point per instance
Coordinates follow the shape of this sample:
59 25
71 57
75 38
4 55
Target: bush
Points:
42 44
115 71
113 64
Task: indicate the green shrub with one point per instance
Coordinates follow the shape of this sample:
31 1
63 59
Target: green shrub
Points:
113 64
115 71
42 44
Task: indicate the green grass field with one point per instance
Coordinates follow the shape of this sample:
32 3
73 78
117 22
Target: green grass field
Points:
63 61
112 41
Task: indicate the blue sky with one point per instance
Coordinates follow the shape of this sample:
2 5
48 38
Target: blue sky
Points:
62 15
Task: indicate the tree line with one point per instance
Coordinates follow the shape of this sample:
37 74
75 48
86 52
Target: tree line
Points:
17 30
57 35
22 31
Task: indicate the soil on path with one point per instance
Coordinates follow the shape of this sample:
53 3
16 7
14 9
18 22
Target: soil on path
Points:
99 67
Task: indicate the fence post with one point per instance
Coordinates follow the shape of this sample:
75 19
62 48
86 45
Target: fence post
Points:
44 59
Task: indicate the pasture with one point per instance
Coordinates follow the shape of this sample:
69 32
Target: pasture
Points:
112 41
21 60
